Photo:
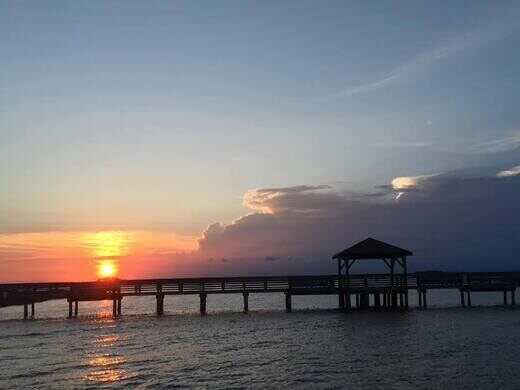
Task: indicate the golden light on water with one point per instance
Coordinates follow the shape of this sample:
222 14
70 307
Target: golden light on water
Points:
104 364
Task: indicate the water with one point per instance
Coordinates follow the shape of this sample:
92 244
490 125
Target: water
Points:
316 346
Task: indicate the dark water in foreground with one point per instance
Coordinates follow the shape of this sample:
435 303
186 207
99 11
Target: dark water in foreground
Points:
313 347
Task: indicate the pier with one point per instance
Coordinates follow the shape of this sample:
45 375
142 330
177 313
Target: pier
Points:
380 291
365 290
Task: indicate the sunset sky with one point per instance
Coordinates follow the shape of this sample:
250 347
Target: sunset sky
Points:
180 138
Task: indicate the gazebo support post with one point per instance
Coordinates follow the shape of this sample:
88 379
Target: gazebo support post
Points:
341 287
392 294
348 264
405 271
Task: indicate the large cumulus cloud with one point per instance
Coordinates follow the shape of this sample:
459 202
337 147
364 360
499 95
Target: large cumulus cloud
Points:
458 220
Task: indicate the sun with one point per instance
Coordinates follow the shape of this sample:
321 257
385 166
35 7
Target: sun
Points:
107 269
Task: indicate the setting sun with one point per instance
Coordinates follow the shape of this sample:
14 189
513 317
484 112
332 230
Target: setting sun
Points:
107 270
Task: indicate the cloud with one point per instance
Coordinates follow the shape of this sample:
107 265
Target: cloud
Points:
404 184
458 44
405 144
502 144
515 171
506 142
371 86
266 199
450 221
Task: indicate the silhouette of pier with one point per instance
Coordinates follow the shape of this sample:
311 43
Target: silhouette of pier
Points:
380 291
365 290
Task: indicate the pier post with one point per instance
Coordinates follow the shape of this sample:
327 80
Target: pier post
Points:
203 297
114 307
246 302
119 306
160 304
462 301
469 298
341 300
513 297
362 304
32 309
357 301
424 300
75 308
70 308
25 311
288 303
377 300
505 298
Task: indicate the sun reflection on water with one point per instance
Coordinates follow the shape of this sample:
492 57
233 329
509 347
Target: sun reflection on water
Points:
104 362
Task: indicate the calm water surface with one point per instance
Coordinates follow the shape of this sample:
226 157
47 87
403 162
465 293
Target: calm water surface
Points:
316 346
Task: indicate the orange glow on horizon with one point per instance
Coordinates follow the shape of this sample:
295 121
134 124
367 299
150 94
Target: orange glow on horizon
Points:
82 255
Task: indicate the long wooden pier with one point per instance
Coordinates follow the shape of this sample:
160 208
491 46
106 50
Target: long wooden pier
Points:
377 290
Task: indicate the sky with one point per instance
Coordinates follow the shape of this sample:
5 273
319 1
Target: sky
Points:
183 138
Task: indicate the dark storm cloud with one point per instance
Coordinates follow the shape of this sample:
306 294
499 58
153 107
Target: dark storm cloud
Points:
450 221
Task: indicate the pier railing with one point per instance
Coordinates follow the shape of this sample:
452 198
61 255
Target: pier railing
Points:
325 283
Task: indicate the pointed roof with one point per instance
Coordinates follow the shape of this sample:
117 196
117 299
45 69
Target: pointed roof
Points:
372 249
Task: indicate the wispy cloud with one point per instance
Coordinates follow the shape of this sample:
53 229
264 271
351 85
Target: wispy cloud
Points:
405 144
507 142
461 43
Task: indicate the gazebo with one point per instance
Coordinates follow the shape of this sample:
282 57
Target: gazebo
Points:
370 249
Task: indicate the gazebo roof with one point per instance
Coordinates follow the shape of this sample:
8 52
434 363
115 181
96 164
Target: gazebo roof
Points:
372 249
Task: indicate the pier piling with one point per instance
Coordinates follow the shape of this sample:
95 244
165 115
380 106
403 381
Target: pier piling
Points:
246 302
341 298
160 304
203 298
288 303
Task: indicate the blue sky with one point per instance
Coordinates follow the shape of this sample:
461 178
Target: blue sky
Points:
161 115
